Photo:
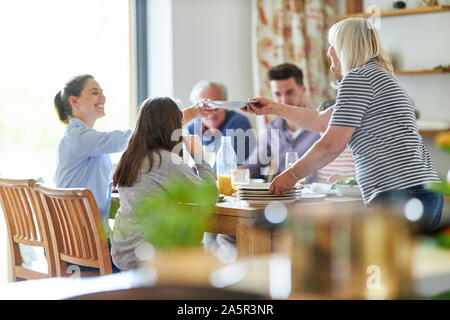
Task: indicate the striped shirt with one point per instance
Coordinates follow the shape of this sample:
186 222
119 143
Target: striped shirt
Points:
389 152
341 167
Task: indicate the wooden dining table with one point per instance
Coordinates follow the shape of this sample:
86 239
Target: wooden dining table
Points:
240 219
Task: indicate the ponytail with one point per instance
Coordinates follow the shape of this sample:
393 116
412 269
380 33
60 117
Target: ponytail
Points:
63 107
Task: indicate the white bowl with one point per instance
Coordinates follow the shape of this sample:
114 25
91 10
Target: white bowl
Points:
321 187
348 190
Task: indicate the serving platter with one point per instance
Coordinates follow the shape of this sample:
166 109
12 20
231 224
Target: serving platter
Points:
229 105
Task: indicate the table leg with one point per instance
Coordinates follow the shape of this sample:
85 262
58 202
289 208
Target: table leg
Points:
252 239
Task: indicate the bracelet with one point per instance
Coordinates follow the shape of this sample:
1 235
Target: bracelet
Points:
292 172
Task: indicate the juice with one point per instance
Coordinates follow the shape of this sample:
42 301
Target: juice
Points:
225 185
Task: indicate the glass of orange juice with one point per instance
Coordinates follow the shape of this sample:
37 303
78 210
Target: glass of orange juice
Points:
239 177
225 186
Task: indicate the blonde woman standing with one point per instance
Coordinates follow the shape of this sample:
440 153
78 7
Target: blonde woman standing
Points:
374 116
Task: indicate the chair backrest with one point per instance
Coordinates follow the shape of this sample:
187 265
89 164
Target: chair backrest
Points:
77 229
26 225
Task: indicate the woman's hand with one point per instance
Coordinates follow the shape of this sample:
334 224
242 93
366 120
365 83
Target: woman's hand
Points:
282 183
193 144
263 106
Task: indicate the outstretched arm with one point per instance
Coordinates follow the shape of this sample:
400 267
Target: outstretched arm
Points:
304 118
321 153
197 111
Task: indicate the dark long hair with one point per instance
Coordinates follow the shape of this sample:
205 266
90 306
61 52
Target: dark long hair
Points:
72 88
285 71
158 118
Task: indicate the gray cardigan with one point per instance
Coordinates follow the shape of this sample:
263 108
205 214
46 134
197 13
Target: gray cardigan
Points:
125 237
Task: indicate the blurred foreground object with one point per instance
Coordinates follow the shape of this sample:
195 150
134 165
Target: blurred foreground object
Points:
172 221
177 215
348 252
442 140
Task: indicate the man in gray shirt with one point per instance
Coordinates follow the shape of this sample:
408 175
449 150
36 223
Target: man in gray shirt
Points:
281 136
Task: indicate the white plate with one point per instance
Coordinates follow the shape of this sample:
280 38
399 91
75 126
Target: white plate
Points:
266 202
313 196
268 196
275 198
262 186
229 105
265 193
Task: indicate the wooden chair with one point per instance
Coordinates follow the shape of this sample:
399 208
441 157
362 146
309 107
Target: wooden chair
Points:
76 228
26 225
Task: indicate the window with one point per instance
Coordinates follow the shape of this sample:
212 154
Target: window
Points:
44 44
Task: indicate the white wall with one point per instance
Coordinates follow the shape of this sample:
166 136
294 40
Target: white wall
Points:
212 41
191 40
417 42
159 44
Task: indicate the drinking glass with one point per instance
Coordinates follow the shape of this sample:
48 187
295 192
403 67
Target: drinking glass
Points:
291 158
210 154
240 177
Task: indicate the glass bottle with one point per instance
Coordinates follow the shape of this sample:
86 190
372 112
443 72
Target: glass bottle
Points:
225 163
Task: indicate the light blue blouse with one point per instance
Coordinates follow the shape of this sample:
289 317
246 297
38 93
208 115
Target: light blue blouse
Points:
83 161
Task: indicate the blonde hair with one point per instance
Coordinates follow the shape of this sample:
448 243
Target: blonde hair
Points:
356 41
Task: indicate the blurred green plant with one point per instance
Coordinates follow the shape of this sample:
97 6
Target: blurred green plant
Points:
443 238
177 215
443 142
344 180
442 296
442 187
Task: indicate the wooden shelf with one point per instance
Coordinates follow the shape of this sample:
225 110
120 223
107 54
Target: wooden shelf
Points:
398 12
430 133
414 72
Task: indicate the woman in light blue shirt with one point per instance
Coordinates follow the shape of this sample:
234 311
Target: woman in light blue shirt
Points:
83 153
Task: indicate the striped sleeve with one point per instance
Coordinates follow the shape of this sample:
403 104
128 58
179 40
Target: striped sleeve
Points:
355 94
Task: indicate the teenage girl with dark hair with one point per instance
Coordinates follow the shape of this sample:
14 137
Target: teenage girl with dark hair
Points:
152 156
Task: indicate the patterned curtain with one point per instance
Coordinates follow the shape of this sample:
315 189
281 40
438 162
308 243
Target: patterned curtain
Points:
294 31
